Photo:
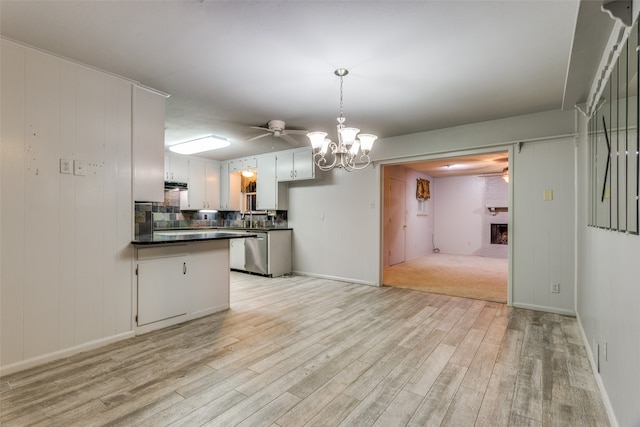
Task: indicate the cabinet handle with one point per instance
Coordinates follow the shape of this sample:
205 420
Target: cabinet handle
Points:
184 268
295 173
291 174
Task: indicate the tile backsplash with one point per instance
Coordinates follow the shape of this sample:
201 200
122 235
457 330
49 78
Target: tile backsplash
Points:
167 215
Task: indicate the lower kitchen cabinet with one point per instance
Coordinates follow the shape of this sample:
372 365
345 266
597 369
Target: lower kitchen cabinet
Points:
236 254
181 282
161 287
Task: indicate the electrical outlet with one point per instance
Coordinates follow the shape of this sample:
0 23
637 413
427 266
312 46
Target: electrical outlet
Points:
65 166
555 288
78 168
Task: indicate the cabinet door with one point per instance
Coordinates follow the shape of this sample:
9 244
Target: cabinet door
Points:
234 191
148 145
266 185
284 166
161 289
176 169
236 254
236 165
212 185
196 185
303 167
224 185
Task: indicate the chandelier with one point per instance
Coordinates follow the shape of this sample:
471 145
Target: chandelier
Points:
328 154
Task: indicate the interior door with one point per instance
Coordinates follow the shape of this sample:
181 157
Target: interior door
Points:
397 221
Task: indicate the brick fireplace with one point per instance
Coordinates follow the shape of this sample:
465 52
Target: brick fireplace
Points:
495 223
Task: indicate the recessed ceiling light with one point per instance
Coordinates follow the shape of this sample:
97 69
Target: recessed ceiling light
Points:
200 145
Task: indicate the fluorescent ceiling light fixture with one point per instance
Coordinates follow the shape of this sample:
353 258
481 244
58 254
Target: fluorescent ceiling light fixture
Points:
199 145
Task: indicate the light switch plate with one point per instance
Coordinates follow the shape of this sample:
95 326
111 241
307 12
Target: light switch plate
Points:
65 166
79 168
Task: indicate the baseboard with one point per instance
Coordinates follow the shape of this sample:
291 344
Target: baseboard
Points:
60 354
545 308
594 367
338 279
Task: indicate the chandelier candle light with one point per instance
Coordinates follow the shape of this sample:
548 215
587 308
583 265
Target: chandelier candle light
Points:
345 151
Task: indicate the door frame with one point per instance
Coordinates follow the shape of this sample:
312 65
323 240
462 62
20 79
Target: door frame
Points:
445 155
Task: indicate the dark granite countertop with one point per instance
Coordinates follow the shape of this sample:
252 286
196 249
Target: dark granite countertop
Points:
160 239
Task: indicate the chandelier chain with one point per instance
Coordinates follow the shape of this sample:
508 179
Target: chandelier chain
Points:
341 114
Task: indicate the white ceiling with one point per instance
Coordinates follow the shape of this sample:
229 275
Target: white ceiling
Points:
229 65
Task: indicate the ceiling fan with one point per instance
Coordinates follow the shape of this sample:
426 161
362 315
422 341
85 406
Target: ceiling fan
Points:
276 128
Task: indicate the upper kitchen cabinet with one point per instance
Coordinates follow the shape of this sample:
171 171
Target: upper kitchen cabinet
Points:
293 165
148 145
176 169
270 194
229 189
204 186
239 165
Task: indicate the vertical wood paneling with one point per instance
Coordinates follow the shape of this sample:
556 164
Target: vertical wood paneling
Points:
523 233
66 256
66 208
123 252
12 200
41 266
90 271
544 230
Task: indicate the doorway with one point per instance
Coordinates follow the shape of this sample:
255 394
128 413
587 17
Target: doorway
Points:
448 238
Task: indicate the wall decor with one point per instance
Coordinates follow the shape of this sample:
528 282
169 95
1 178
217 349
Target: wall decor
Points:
614 148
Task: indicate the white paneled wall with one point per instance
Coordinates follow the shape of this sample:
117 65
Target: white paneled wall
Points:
608 300
66 256
544 230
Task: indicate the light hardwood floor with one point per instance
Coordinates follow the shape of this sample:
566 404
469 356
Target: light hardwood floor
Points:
302 351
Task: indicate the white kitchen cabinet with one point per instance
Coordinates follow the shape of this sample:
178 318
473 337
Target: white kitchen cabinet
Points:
236 254
294 165
238 165
176 169
229 189
270 194
148 145
212 185
204 186
180 282
162 274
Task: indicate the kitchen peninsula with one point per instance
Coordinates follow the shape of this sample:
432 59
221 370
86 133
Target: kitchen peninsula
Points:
181 276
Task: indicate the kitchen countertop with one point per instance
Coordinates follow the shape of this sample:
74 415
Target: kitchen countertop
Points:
185 235
195 236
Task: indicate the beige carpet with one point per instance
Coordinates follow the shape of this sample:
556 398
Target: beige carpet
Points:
457 275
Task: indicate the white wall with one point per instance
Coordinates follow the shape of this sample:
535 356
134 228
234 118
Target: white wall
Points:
543 232
420 227
337 231
608 287
65 239
459 214
336 225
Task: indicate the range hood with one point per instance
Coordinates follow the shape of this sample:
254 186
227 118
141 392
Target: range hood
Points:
172 185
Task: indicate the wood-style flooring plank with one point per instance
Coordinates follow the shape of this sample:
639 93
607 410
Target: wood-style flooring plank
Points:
299 351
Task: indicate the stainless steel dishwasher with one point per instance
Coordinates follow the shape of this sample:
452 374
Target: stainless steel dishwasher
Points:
256 253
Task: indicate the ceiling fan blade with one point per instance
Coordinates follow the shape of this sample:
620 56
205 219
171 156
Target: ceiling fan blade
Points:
290 140
258 137
261 128
297 131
